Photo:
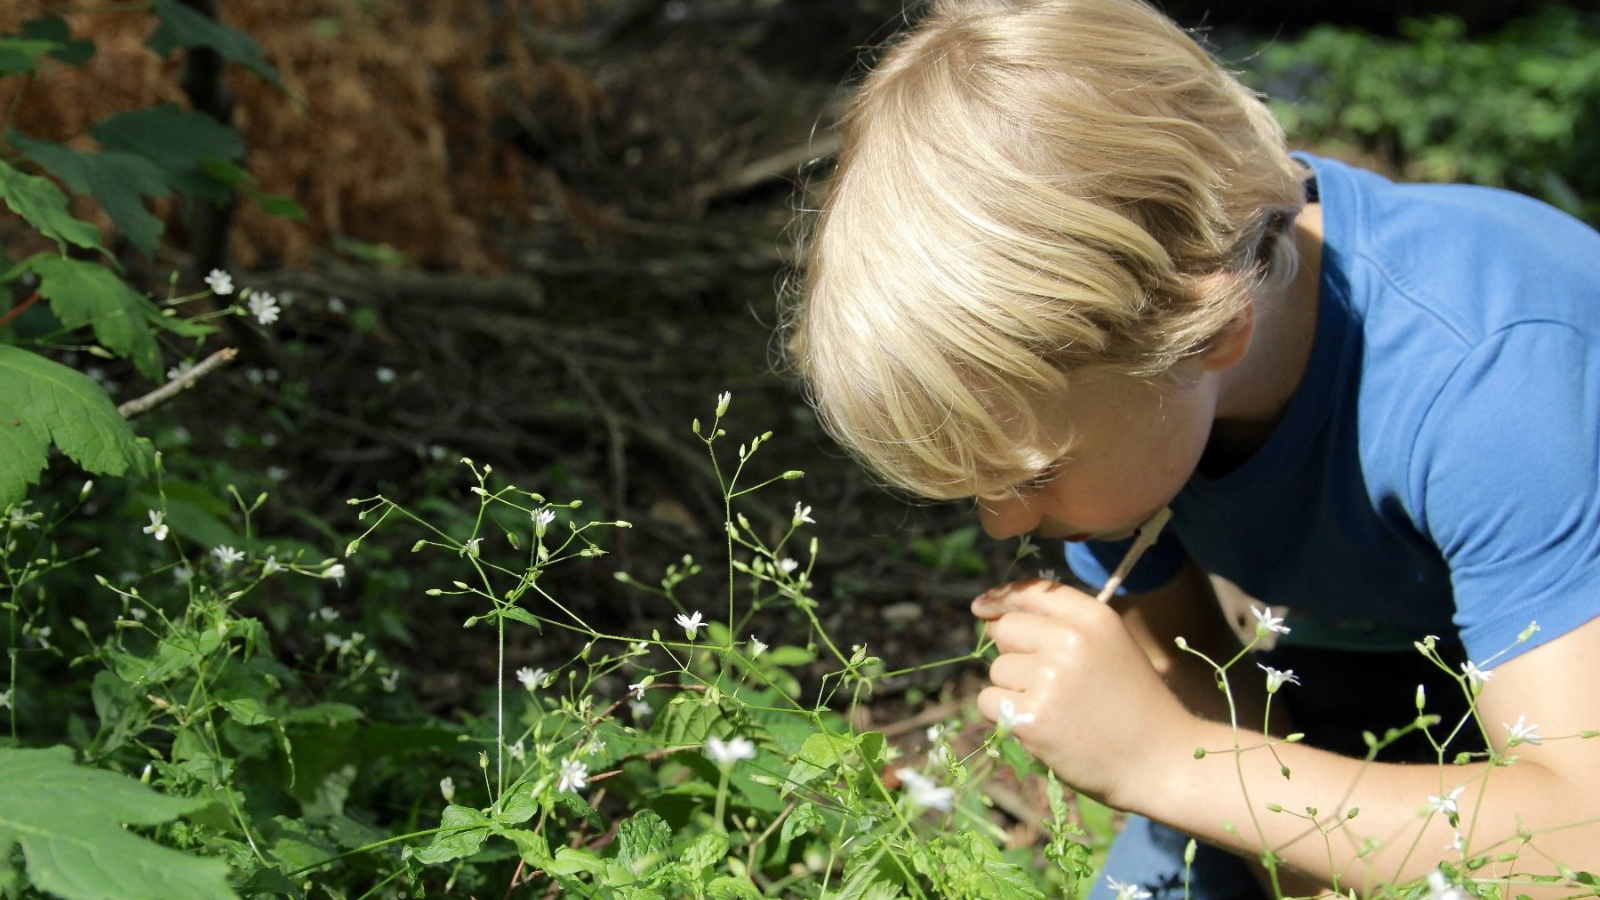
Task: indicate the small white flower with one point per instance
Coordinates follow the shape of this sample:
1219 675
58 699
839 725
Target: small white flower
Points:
518 751
757 647
802 515
20 519
182 574
447 787
934 733
574 775
1047 574
220 282
336 306
334 642
1459 845
541 520
227 556
1266 621
722 403
264 307
1277 679
335 571
1127 890
42 635
921 791
390 681
726 753
640 709
156 529
637 690
1523 734
385 375
1440 888
5 699
278 473
180 370
531 679
1445 805
1476 677
788 565
271 566
138 613
691 624
1010 718
326 614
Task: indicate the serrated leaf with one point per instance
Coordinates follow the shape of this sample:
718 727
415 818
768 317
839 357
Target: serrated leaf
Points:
55 28
47 403
117 181
804 818
465 831
727 887
85 294
178 142
975 868
184 27
707 850
644 842
69 821
43 205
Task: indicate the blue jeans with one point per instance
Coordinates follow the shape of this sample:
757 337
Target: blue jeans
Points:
1344 693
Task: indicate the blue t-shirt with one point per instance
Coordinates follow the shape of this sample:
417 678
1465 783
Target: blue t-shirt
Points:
1438 469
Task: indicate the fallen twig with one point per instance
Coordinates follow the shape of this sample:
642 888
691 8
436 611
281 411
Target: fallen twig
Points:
160 395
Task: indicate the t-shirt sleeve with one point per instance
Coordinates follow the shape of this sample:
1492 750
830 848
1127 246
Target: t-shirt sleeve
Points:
1094 561
1505 474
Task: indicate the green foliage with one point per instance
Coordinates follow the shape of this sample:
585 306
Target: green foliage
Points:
119 182
1518 109
46 403
68 820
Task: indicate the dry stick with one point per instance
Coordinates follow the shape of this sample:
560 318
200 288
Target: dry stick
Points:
1148 532
171 389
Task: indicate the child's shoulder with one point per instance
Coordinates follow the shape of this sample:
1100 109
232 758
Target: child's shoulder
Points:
1476 259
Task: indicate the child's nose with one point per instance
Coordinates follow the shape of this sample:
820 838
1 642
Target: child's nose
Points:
1007 518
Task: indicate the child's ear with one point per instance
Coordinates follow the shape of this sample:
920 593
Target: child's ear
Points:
1228 346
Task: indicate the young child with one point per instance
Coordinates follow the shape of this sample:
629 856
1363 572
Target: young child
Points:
1067 267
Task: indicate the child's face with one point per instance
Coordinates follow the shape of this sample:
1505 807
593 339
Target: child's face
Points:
1133 445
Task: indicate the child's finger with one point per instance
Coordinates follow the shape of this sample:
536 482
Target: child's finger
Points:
1035 596
1026 632
1014 671
993 700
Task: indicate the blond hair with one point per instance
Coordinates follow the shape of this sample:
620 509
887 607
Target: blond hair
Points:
1029 192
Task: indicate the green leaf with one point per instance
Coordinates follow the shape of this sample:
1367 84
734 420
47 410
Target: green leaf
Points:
184 27
119 182
571 861
54 28
707 850
20 55
519 614
45 402
804 818
68 820
85 294
645 842
976 869
179 143
727 887
43 205
465 832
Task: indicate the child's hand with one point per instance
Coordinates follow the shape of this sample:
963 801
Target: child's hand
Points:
1102 718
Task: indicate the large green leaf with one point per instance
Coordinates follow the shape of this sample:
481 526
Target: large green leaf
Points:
85 294
119 182
184 27
44 402
69 821
178 142
40 202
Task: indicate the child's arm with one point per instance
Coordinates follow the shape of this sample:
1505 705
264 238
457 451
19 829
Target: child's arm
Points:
1107 724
